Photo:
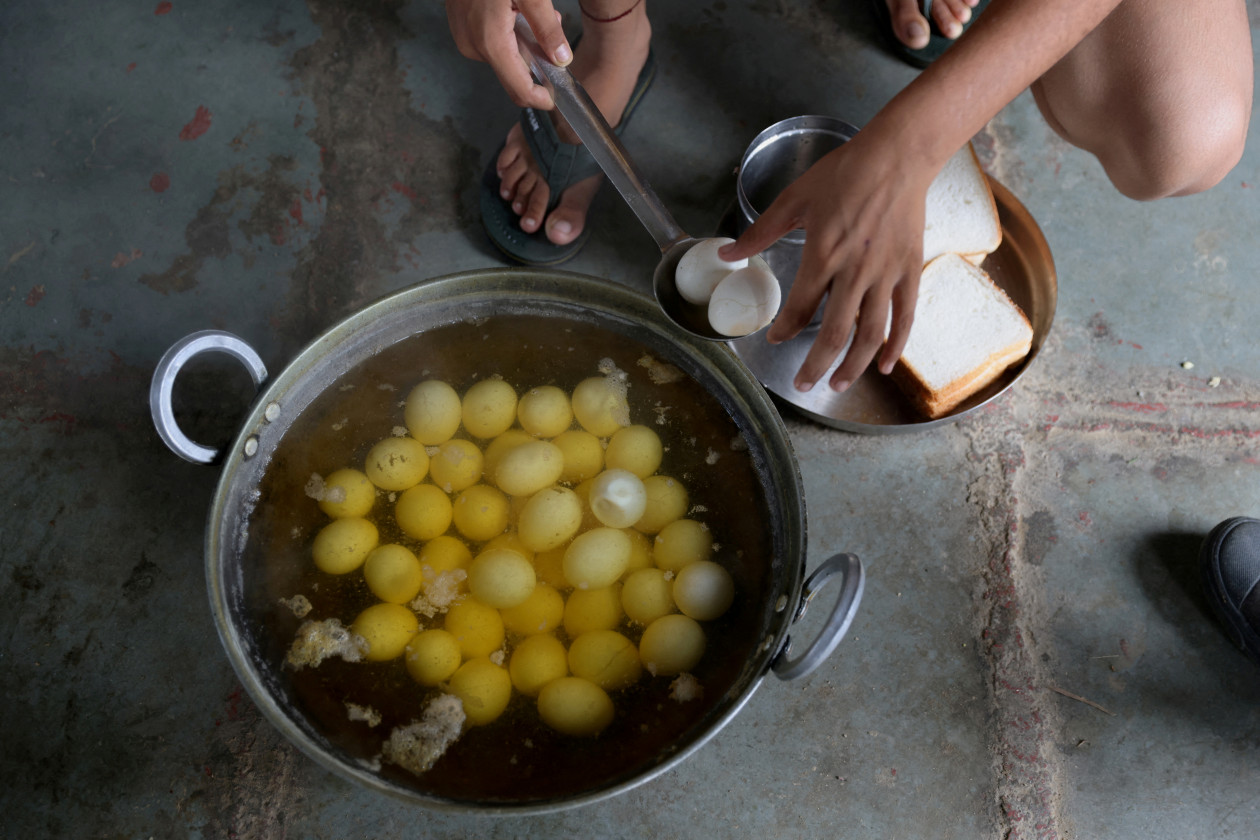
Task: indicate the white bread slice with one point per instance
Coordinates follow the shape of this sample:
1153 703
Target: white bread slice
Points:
966 333
961 216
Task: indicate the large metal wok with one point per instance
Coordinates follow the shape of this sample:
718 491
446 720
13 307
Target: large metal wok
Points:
530 327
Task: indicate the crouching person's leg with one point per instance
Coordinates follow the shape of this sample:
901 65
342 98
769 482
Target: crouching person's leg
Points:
1160 92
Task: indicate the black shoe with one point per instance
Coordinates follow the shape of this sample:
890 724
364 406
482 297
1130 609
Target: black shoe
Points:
1230 564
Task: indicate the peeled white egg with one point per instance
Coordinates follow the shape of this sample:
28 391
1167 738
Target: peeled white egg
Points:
618 498
701 269
745 300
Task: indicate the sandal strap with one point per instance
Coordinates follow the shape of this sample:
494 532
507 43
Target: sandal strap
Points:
561 163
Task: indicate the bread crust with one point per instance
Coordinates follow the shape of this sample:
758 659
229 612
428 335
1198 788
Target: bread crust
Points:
935 403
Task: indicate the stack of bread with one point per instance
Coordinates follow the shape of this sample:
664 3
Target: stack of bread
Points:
967 331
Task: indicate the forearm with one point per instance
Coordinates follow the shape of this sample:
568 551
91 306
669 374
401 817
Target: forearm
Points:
1011 45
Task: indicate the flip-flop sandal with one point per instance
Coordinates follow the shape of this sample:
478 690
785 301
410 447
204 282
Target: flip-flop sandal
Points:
937 42
562 164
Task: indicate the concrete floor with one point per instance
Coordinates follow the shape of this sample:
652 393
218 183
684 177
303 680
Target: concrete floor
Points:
270 168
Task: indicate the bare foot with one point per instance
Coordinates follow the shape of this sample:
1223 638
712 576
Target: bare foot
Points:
911 27
607 62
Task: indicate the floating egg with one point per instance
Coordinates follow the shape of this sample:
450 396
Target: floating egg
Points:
393 573
347 492
606 658
550 518
542 611
592 609
502 445
600 405
537 661
480 513
575 706
635 448
671 644
432 412
549 566
489 408
701 269
397 463
342 545
387 629
501 578
544 411
680 543
511 542
444 553
703 590
596 558
745 300
617 498
477 627
432 656
647 595
583 455
666 501
423 512
457 465
528 468
484 688
640 550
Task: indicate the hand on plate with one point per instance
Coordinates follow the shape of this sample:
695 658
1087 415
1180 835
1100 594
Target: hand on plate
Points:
862 207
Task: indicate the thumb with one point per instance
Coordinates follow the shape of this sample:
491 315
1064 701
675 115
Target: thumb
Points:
544 22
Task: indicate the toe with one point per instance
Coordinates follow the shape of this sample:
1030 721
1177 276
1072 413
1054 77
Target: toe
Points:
910 27
567 221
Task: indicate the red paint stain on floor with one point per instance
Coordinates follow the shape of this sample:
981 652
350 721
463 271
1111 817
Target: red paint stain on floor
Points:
160 182
163 8
121 259
400 187
131 66
295 210
198 125
35 295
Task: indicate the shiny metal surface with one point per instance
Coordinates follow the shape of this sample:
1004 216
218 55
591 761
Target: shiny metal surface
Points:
593 130
163 384
470 298
775 158
1022 266
852 584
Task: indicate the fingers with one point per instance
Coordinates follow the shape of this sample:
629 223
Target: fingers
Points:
544 21
905 296
780 218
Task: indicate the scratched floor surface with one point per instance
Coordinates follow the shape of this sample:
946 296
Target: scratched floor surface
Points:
1033 658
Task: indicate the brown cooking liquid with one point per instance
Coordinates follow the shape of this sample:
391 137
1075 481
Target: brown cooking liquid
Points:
516 759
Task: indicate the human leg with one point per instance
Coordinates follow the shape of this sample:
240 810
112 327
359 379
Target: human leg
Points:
1160 93
607 62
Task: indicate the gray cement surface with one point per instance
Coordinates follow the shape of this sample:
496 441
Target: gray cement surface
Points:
1033 658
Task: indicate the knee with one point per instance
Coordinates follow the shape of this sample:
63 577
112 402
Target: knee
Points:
1152 161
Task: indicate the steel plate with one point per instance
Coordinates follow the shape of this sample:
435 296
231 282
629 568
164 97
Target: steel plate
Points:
1022 266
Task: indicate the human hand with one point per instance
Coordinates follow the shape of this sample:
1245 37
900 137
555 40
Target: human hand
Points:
484 30
862 207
